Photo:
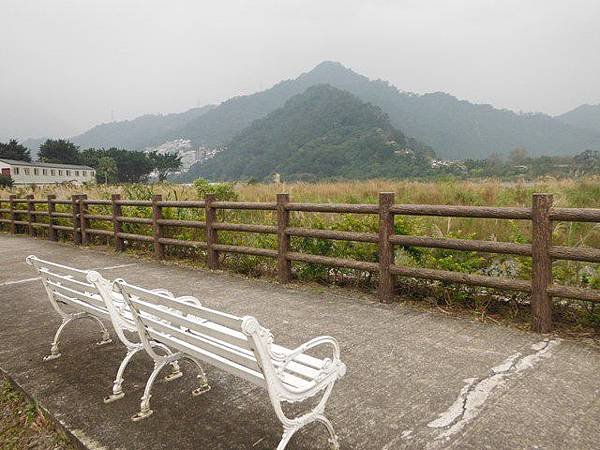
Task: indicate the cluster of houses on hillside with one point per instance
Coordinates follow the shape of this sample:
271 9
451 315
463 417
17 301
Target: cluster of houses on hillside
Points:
184 149
39 173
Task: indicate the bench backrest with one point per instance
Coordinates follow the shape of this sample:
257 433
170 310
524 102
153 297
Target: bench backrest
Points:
68 286
208 335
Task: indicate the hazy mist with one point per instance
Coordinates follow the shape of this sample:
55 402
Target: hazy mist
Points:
69 65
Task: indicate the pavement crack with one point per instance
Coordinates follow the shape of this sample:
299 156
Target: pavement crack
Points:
476 391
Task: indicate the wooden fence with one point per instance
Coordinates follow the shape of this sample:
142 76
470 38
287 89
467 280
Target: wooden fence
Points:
541 250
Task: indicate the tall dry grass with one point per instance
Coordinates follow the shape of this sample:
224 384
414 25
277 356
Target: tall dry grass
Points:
492 192
567 193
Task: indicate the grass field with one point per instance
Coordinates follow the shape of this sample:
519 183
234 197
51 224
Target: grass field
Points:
23 425
567 193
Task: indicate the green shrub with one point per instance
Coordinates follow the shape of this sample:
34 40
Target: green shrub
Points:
222 191
6 181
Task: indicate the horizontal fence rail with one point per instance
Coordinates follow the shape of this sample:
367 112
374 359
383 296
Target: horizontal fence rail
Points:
22 214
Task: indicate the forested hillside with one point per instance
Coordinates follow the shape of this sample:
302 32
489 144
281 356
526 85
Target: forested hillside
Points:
584 116
459 129
321 133
138 133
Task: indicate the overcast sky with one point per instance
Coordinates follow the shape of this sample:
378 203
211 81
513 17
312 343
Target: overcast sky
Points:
66 65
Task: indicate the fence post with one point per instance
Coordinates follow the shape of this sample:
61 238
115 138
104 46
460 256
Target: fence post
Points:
13 216
211 233
116 212
385 289
284 266
51 209
30 215
541 279
76 227
159 250
83 222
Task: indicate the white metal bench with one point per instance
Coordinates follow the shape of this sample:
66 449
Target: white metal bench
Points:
68 287
240 346
73 297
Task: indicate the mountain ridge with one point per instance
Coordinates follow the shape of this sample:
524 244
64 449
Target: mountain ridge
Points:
323 132
584 116
454 128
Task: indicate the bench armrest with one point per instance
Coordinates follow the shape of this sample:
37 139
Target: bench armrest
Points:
315 342
330 365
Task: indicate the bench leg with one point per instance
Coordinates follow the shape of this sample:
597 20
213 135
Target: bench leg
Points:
333 439
105 336
287 435
117 391
204 386
54 352
176 371
145 410
288 432
291 426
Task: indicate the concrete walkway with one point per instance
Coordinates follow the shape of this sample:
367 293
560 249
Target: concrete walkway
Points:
415 379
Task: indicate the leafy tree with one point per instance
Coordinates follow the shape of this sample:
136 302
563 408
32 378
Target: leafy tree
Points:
91 157
107 169
6 181
518 155
14 150
59 151
587 162
132 167
165 164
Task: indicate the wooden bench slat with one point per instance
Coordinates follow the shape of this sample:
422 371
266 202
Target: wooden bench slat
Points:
68 281
200 327
296 366
218 317
86 307
297 369
229 351
239 355
41 265
80 296
295 382
211 358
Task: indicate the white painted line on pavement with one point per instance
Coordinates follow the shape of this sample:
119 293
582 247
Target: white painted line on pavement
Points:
114 267
8 283
27 280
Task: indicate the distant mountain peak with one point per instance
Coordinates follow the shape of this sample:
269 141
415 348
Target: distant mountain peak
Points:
331 65
333 70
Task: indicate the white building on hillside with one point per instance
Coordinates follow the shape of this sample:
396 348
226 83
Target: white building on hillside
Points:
23 172
184 149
